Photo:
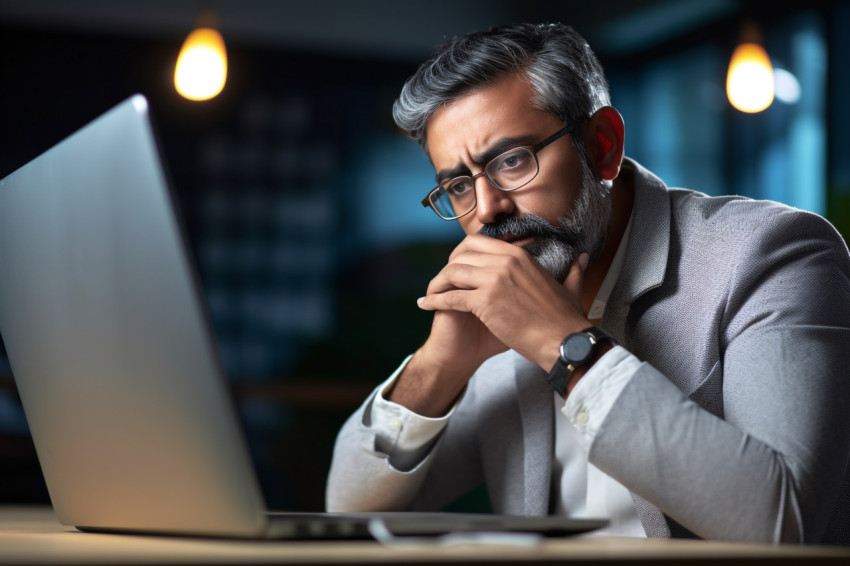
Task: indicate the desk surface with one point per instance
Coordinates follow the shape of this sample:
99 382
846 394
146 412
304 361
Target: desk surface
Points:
31 535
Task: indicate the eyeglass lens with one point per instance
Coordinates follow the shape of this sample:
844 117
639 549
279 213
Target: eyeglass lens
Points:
507 172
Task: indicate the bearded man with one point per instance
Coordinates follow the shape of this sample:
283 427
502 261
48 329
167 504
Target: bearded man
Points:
603 345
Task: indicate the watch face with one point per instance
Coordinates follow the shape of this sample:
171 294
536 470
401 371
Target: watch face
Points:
577 349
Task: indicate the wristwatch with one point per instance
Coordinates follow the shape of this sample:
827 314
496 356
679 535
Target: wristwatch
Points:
576 350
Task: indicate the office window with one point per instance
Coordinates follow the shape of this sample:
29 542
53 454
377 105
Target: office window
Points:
680 125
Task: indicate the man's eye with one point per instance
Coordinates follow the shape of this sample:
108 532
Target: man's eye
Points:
513 160
458 187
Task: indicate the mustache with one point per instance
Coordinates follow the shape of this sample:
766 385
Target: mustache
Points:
528 225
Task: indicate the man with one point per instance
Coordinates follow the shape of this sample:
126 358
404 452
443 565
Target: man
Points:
697 347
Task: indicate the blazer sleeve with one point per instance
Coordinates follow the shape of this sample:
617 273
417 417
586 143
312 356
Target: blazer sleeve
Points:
771 465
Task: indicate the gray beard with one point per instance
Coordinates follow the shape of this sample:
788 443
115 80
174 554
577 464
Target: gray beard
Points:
583 229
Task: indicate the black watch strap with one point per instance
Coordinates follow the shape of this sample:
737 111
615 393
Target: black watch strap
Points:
564 368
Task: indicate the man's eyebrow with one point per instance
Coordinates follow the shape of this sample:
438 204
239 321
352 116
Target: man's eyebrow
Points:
449 174
500 147
484 157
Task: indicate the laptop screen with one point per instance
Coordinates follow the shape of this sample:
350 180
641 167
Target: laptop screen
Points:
109 342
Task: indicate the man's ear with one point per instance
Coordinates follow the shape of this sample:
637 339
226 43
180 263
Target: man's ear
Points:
604 139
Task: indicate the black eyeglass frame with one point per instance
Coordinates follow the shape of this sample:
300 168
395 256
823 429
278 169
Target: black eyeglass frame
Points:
533 149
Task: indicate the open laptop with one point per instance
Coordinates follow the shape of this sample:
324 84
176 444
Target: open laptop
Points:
116 363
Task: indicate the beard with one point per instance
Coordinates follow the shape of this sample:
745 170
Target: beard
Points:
583 229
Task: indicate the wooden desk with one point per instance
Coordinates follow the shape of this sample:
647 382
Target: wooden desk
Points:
31 535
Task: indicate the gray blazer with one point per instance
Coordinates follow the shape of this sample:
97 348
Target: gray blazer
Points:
736 426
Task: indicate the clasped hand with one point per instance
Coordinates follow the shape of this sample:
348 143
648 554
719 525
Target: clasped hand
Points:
492 296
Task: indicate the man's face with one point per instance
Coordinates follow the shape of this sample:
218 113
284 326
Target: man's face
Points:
559 214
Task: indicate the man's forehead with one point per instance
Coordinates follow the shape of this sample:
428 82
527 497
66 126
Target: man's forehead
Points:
505 102
492 101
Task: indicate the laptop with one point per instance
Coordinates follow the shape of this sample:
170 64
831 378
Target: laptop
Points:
115 361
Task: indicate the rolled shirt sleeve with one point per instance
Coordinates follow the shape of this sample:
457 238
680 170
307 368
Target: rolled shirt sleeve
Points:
406 437
592 398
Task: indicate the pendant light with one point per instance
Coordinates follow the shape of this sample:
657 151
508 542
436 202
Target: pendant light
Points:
750 81
201 69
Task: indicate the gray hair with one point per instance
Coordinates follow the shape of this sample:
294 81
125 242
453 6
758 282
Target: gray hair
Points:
565 75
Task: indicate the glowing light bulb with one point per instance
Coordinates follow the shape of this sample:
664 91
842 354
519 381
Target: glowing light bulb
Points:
201 69
749 84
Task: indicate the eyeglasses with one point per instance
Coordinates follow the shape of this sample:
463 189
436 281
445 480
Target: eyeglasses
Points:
508 171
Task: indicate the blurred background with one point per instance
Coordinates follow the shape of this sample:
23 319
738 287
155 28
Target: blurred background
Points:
301 198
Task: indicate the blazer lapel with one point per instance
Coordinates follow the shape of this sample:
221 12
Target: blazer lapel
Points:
648 251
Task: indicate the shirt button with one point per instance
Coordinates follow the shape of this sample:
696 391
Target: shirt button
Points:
396 424
582 418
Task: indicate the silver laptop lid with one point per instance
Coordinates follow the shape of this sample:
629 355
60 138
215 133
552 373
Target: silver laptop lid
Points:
109 343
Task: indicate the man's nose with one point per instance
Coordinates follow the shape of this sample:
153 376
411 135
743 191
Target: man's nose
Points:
493 203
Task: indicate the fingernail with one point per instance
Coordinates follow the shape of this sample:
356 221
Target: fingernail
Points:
583 259
419 300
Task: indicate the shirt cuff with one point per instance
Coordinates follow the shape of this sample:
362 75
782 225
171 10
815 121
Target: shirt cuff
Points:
406 437
593 396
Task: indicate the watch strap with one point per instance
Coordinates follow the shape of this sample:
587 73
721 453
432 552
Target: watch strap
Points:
563 370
